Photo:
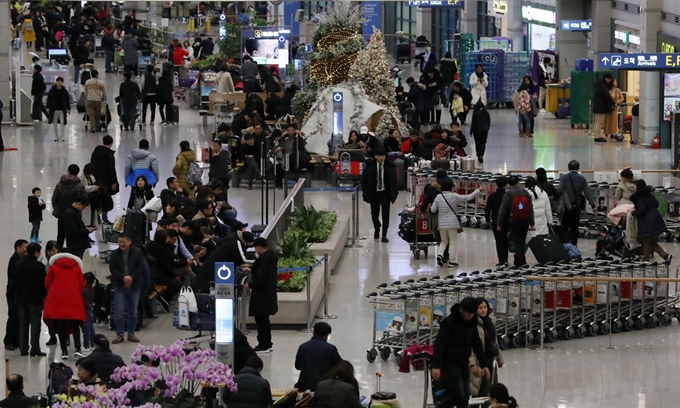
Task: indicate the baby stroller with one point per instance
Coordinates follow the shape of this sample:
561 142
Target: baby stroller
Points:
409 115
613 242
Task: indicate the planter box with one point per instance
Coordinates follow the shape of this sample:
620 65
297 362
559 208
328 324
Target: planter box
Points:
293 305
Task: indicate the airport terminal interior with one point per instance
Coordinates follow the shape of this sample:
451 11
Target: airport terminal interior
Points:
636 369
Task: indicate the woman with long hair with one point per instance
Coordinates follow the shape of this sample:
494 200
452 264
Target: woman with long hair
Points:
626 187
649 219
339 389
543 219
140 194
183 161
353 141
611 121
486 329
91 188
499 397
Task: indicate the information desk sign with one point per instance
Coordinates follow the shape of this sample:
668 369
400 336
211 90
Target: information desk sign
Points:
640 62
224 312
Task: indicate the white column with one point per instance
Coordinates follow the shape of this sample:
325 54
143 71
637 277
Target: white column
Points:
570 46
600 38
469 21
424 22
5 60
513 19
650 92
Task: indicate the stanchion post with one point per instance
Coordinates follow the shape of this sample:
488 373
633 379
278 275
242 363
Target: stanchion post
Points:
355 216
352 224
542 332
326 281
308 329
357 236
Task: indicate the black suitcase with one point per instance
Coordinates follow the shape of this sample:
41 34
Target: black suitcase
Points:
401 173
135 227
172 113
548 248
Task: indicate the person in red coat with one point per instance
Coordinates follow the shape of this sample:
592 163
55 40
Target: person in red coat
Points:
64 310
178 54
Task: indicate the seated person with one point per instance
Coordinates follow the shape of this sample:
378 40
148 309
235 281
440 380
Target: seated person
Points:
276 108
172 212
231 251
411 145
427 147
199 250
250 153
87 375
225 211
164 273
392 142
458 139
181 264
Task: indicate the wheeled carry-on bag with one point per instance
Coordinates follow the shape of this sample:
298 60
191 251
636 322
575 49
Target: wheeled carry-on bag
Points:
401 173
135 227
172 113
548 248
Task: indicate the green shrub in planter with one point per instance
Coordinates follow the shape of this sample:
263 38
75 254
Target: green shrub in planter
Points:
317 224
294 252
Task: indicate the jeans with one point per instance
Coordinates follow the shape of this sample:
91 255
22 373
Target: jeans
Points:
449 239
457 380
264 331
76 74
519 232
59 121
525 123
38 107
88 328
150 101
29 315
108 60
126 298
129 116
570 222
380 203
501 238
35 230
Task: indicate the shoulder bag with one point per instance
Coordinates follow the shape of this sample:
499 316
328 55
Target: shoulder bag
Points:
579 199
494 350
460 224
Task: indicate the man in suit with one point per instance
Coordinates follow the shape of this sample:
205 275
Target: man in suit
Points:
379 185
29 290
263 299
315 358
12 326
576 186
16 397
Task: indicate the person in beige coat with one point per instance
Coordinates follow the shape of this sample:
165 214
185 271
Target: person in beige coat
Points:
626 187
486 328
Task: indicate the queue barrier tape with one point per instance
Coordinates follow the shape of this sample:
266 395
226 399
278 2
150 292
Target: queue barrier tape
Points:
303 268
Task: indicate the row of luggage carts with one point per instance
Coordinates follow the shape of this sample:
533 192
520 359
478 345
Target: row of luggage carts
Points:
410 312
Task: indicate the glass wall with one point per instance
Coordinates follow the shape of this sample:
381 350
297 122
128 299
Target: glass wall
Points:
398 17
311 7
444 25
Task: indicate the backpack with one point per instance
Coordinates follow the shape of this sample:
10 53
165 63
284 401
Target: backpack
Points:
524 102
59 35
58 378
85 76
28 26
521 208
195 174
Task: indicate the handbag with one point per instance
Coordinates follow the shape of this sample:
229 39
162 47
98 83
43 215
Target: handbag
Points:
119 223
186 295
494 349
460 224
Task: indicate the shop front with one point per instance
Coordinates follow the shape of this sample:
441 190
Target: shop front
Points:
670 89
539 27
626 38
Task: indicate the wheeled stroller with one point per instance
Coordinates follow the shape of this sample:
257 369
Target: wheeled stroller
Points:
613 242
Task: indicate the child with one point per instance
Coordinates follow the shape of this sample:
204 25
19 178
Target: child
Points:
36 206
88 299
458 139
457 109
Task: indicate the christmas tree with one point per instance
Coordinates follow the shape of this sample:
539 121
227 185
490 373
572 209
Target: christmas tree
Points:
372 71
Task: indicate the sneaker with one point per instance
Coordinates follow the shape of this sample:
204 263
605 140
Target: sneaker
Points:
440 260
262 349
64 355
668 258
530 135
542 110
163 123
87 350
78 354
118 340
453 264
600 140
132 338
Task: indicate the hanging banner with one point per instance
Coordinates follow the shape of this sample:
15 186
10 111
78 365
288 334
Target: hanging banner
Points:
372 13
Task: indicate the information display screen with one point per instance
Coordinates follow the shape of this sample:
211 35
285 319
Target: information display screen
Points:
224 321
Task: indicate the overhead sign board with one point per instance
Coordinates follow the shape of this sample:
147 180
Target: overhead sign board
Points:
436 3
576 25
640 61
537 15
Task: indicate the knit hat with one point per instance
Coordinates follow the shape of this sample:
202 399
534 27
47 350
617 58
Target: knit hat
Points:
469 305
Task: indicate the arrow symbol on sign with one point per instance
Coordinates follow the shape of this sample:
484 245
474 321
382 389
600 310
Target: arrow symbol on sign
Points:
605 60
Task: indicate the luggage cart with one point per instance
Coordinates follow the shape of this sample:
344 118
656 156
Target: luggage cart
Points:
223 113
138 116
423 235
104 117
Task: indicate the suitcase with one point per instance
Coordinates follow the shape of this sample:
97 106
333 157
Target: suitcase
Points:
172 113
548 248
562 111
467 164
206 154
585 64
440 164
401 173
136 227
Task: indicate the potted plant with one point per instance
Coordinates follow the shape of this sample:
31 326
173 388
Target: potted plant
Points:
317 224
294 252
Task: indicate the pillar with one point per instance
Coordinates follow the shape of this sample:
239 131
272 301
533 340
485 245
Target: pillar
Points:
513 19
650 82
424 22
601 36
469 21
569 45
5 60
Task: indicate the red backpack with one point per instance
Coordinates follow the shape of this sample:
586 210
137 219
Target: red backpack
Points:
524 102
521 208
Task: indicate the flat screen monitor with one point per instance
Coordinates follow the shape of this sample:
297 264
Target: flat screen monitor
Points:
57 53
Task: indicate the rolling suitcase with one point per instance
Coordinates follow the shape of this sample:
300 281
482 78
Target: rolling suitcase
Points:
206 154
136 227
562 111
548 248
172 113
401 173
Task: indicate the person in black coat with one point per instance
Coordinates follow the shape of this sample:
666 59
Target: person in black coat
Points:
149 90
242 350
339 389
493 206
207 47
164 273
129 94
460 89
140 192
30 292
76 234
603 104
433 88
12 326
288 96
379 185
58 107
457 338
38 89
106 360
230 251
650 222
263 300
417 96
316 358
253 390
479 128
276 107
164 95
16 397
104 161
250 154
109 44
36 206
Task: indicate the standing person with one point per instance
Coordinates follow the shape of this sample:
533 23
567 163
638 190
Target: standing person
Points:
130 51
64 312
499 397
127 267
433 88
66 191
249 73
80 53
486 330
38 89
428 59
95 93
88 302
339 389
129 94
465 94
549 188
448 223
611 121
30 294
109 43
518 212
543 218
178 54
316 358
149 89
479 128
183 161
544 78
448 68
626 187
573 187
164 95
12 326
207 48
225 83
104 161
36 205
456 340
649 220
141 162
603 104
77 235
92 189
379 185
263 300
478 82
28 30
521 100
493 206
58 108
219 163
253 390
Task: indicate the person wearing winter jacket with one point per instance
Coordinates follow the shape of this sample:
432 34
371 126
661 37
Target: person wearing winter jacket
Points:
232 250
479 81
130 51
448 68
479 128
164 95
465 94
109 43
141 162
499 397
649 219
448 223
91 190
76 234
518 212
417 96
433 90
106 360
626 187
58 108
224 81
411 145
486 330
129 95
178 54
543 218
104 161
456 340
182 163
603 104
38 89
523 104
149 89
339 389
253 390
140 194
493 206
65 192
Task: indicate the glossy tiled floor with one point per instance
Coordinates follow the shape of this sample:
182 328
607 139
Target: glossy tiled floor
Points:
641 371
